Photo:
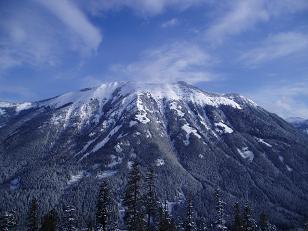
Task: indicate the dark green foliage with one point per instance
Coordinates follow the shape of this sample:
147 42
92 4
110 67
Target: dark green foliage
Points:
104 208
8 221
150 199
263 222
165 222
69 222
237 220
220 223
49 222
32 219
249 223
189 224
134 213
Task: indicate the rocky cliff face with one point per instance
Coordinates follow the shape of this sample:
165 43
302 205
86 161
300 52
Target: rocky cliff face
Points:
61 148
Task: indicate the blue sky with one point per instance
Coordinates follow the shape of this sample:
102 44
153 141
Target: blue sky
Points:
258 48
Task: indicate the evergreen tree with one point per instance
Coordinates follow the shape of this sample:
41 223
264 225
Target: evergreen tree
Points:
263 222
165 221
134 214
69 222
201 224
90 226
306 225
249 224
8 221
49 222
32 219
104 208
150 199
237 222
220 221
189 224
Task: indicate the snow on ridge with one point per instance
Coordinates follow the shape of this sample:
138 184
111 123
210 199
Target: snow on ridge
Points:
177 109
263 142
245 153
189 130
106 139
221 127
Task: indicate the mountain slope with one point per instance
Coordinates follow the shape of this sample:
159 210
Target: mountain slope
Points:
299 123
61 148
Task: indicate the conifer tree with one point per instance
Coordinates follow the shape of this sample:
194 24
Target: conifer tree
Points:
69 222
220 221
249 224
263 222
134 214
189 224
32 219
8 221
49 222
104 208
150 199
165 221
306 225
237 222
201 224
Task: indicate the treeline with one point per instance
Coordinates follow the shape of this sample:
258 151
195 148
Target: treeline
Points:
139 210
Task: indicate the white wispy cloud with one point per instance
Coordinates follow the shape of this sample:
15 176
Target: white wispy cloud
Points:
31 37
142 7
238 16
170 63
277 46
170 23
286 100
75 20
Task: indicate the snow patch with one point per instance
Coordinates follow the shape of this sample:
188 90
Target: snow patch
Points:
106 139
189 130
75 178
176 108
281 158
289 168
105 174
23 106
130 164
246 153
2 112
223 128
115 160
132 123
201 156
159 162
263 142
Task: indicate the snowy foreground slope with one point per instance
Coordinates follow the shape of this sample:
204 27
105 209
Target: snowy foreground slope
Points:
59 149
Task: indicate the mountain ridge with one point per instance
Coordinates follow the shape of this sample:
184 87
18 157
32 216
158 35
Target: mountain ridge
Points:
195 140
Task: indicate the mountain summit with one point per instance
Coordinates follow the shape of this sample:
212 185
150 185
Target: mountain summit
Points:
61 148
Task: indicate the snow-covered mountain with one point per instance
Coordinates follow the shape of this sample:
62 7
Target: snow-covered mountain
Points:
299 123
59 149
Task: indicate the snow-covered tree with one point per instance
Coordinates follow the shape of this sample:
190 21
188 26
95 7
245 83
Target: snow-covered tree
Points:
69 222
49 222
134 214
104 208
165 221
8 221
189 224
32 218
150 199
249 223
220 223
237 220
